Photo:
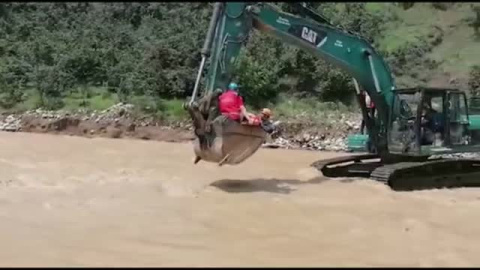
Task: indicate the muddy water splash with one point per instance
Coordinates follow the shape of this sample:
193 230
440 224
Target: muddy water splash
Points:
69 201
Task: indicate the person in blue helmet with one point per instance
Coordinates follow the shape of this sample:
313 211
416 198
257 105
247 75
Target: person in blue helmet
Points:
230 104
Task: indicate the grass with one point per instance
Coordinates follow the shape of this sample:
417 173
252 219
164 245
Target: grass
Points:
459 52
162 108
100 99
411 27
455 55
173 109
376 7
31 101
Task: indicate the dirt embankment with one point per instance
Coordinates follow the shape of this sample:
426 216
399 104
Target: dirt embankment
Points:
115 122
118 121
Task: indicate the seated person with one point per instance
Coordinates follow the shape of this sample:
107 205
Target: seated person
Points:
437 122
432 123
265 122
427 133
231 105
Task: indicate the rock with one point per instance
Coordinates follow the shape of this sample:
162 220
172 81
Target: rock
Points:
113 132
131 128
10 118
11 123
62 123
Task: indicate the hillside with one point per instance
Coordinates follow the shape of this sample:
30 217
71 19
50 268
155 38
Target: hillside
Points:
93 55
447 45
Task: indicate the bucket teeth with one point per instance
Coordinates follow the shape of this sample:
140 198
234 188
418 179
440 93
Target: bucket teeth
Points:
225 159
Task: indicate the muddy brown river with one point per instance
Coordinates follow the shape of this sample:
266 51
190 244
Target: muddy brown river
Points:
71 201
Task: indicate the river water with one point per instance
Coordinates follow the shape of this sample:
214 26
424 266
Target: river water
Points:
71 201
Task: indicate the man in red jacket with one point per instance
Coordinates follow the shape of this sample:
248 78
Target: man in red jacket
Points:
231 105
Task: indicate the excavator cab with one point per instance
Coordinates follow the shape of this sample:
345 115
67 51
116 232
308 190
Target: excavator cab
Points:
428 121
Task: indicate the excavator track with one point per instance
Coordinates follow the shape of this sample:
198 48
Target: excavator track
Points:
440 173
348 166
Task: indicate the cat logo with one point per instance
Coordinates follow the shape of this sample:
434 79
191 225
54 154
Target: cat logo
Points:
305 33
309 35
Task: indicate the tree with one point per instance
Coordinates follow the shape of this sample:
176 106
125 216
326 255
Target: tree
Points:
10 87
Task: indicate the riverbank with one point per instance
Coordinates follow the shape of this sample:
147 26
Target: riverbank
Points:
120 121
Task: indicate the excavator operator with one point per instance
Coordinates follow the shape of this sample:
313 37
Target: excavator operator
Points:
432 122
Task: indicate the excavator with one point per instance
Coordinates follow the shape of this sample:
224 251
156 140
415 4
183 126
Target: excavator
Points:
416 132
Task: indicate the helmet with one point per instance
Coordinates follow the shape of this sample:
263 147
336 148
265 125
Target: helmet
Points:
266 112
233 86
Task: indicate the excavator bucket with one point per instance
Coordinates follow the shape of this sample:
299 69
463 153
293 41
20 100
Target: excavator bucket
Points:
230 142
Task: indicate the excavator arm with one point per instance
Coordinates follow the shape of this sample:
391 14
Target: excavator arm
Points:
232 22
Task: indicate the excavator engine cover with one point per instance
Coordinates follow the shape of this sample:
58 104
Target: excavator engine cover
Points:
231 142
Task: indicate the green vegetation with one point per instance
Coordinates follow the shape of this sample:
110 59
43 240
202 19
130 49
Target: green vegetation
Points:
431 42
308 109
93 55
474 81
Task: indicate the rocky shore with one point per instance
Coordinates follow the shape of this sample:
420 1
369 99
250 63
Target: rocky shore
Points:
119 121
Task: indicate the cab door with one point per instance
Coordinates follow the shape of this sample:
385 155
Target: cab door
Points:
457 119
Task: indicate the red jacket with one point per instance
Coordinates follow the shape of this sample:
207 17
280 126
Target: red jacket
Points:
368 100
230 104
